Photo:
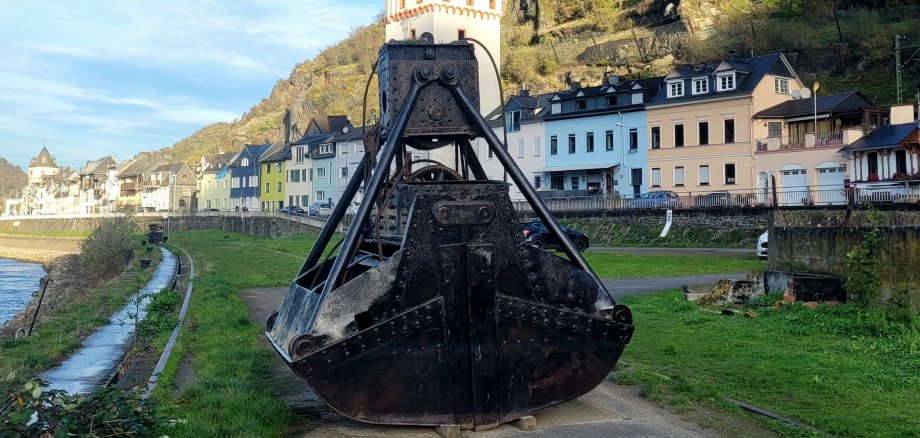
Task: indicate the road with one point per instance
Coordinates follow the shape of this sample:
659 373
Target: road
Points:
634 286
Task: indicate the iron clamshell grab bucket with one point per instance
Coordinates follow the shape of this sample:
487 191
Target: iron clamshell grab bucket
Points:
464 324
435 310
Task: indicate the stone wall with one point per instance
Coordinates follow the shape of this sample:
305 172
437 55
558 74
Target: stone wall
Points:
262 226
816 241
717 227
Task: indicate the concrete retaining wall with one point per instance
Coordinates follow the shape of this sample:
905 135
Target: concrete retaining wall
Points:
818 242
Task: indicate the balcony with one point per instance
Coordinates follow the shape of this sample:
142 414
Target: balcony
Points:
798 142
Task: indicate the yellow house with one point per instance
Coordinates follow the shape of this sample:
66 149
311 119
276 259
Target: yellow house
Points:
700 130
272 165
214 182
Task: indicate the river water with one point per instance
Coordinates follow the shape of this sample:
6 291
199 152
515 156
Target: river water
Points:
18 281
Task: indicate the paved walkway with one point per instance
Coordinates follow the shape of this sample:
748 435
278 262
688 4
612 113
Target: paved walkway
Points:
95 362
634 286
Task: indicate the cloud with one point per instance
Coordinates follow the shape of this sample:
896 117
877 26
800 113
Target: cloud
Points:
139 75
194 115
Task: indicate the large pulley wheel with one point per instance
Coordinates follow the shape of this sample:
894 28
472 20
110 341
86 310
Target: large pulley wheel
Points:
435 173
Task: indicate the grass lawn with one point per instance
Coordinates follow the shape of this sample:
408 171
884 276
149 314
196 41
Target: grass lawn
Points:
228 396
608 265
62 334
845 371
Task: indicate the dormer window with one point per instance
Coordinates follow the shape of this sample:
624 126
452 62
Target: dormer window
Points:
700 85
513 121
637 98
675 89
725 82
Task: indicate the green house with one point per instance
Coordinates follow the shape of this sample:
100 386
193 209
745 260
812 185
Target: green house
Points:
272 169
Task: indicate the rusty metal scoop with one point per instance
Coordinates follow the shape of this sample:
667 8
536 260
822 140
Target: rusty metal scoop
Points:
435 310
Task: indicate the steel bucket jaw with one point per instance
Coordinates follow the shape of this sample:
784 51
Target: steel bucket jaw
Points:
466 324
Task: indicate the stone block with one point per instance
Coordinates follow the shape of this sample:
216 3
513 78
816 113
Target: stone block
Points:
448 431
526 423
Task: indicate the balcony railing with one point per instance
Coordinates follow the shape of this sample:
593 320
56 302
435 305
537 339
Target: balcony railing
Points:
795 142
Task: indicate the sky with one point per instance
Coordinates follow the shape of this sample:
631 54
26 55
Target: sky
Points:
95 78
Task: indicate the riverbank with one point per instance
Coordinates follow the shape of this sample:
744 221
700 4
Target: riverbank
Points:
78 310
37 249
70 283
58 256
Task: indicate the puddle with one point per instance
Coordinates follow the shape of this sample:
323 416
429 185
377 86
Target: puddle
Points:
102 351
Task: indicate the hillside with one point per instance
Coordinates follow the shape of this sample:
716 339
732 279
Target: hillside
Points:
12 179
549 43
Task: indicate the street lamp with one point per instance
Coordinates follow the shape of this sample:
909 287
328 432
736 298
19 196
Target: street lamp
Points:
172 203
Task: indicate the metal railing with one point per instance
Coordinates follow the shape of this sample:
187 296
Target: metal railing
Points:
828 195
906 192
810 140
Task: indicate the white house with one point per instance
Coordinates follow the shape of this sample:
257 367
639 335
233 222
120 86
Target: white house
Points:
522 116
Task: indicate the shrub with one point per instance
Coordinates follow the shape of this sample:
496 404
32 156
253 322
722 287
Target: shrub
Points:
29 411
863 280
548 65
160 314
110 245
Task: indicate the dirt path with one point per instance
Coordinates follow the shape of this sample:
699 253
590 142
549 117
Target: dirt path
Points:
41 249
609 410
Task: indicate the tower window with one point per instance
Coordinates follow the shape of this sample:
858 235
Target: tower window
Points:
491 4
461 34
412 33
402 3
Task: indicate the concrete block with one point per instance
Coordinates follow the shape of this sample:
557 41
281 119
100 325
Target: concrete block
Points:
448 431
526 423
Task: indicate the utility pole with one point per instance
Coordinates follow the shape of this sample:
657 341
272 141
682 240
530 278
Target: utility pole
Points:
897 65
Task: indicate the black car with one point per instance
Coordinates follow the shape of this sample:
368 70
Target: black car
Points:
537 235
293 209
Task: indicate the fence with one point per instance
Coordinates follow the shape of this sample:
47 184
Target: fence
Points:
907 192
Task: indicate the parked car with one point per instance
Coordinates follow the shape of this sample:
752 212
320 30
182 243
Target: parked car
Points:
539 236
353 208
714 199
762 245
291 209
656 199
320 208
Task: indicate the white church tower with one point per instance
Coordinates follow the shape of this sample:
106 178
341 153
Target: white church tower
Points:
453 20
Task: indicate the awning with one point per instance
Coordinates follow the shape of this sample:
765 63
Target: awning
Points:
575 167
